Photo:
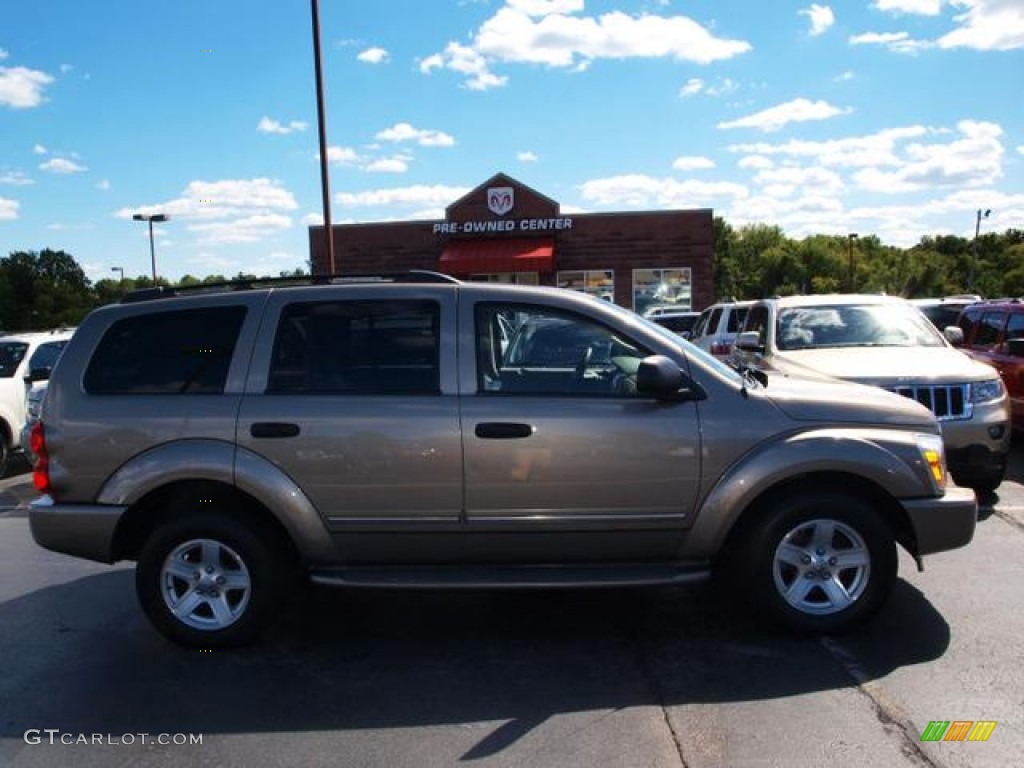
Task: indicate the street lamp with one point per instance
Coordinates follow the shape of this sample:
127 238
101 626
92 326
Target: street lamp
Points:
151 217
974 248
849 246
120 273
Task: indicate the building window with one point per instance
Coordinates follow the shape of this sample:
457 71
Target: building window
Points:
593 282
669 288
512 278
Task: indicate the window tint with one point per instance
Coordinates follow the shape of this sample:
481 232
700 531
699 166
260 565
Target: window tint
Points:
968 322
989 328
757 320
716 315
552 353
736 317
46 355
1015 326
11 355
178 352
357 347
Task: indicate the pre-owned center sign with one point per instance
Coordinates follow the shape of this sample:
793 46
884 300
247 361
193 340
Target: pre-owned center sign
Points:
506 225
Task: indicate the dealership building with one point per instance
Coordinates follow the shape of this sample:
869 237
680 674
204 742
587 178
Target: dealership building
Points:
504 231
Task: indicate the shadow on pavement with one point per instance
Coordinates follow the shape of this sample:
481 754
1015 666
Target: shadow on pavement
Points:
386 659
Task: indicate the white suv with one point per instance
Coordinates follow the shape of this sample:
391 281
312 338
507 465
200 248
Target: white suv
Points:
24 359
718 325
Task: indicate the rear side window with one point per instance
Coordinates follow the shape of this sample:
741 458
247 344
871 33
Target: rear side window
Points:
968 322
46 355
1015 326
357 347
166 353
716 315
989 329
736 318
11 355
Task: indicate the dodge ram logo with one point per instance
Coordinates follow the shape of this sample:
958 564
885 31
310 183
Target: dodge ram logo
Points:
500 200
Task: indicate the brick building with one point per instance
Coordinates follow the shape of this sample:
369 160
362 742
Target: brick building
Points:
504 231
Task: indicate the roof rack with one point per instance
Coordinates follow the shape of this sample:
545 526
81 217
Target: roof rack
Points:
249 284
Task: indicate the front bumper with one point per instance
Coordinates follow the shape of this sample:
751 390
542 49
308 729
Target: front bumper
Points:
943 523
82 530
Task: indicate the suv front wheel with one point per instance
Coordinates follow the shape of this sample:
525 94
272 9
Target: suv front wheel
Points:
819 562
210 582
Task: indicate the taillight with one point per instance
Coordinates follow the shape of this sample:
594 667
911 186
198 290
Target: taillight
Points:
41 470
721 350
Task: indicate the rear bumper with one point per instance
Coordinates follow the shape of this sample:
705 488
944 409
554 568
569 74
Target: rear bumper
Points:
82 530
943 523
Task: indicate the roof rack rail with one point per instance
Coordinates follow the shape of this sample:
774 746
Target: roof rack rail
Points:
249 284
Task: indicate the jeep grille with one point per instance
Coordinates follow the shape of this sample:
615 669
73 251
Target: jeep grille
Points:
946 401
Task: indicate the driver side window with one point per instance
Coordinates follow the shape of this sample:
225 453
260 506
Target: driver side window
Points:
528 350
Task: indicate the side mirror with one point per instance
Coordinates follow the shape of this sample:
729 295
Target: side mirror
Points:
1015 347
659 377
39 374
749 341
954 335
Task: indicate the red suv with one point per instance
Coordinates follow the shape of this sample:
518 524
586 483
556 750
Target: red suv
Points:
994 334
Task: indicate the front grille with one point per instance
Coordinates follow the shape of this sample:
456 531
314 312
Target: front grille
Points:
946 401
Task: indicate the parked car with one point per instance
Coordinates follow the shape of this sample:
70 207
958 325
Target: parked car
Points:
994 334
677 322
24 358
419 431
944 312
885 342
718 325
33 410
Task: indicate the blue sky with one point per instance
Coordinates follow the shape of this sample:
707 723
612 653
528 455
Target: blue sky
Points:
896 118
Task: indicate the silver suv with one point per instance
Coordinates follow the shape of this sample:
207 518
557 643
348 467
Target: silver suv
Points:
886 342
418 431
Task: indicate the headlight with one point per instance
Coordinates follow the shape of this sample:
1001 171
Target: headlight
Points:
984 391
934 455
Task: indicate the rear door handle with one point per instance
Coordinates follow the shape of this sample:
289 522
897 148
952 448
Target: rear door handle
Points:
498 430
273 429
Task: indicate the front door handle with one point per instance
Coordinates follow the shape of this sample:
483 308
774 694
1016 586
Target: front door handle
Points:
273 429
498 430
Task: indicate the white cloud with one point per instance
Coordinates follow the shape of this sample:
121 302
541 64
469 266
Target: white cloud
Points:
62 165
65 68
269 125
373 56
103 185
639 191
343 156
899 42
856 151
526 157
757 162
228 210
396 164
723 87
974 159
423 137
987 25
16 178
796 111
821 18
21 88
548 32
843 77
8 209
692 163
921 7
823 182
1020 149
416 195
38 149
3 54
692 87
313 220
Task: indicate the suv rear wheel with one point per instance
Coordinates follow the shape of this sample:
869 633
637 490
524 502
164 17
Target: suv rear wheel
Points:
210 581
819 562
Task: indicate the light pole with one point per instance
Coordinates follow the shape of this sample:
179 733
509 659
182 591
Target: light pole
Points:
321 122
120 273
974 247
849 246
151 217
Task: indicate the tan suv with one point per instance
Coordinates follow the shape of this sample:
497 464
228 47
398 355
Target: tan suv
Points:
884 341
418 431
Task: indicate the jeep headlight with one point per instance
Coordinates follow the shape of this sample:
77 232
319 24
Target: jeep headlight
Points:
934 455
985 391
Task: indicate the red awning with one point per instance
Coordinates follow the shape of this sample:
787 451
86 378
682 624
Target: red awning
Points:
464 257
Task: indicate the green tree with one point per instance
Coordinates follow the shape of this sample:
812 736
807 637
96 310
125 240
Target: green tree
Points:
44 289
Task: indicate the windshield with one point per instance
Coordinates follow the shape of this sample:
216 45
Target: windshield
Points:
855 325
689 349
11 355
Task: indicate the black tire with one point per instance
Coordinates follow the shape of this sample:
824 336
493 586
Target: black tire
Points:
228 581
820 562
4 453
982 484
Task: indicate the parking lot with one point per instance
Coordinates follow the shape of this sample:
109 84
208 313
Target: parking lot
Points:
656 677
